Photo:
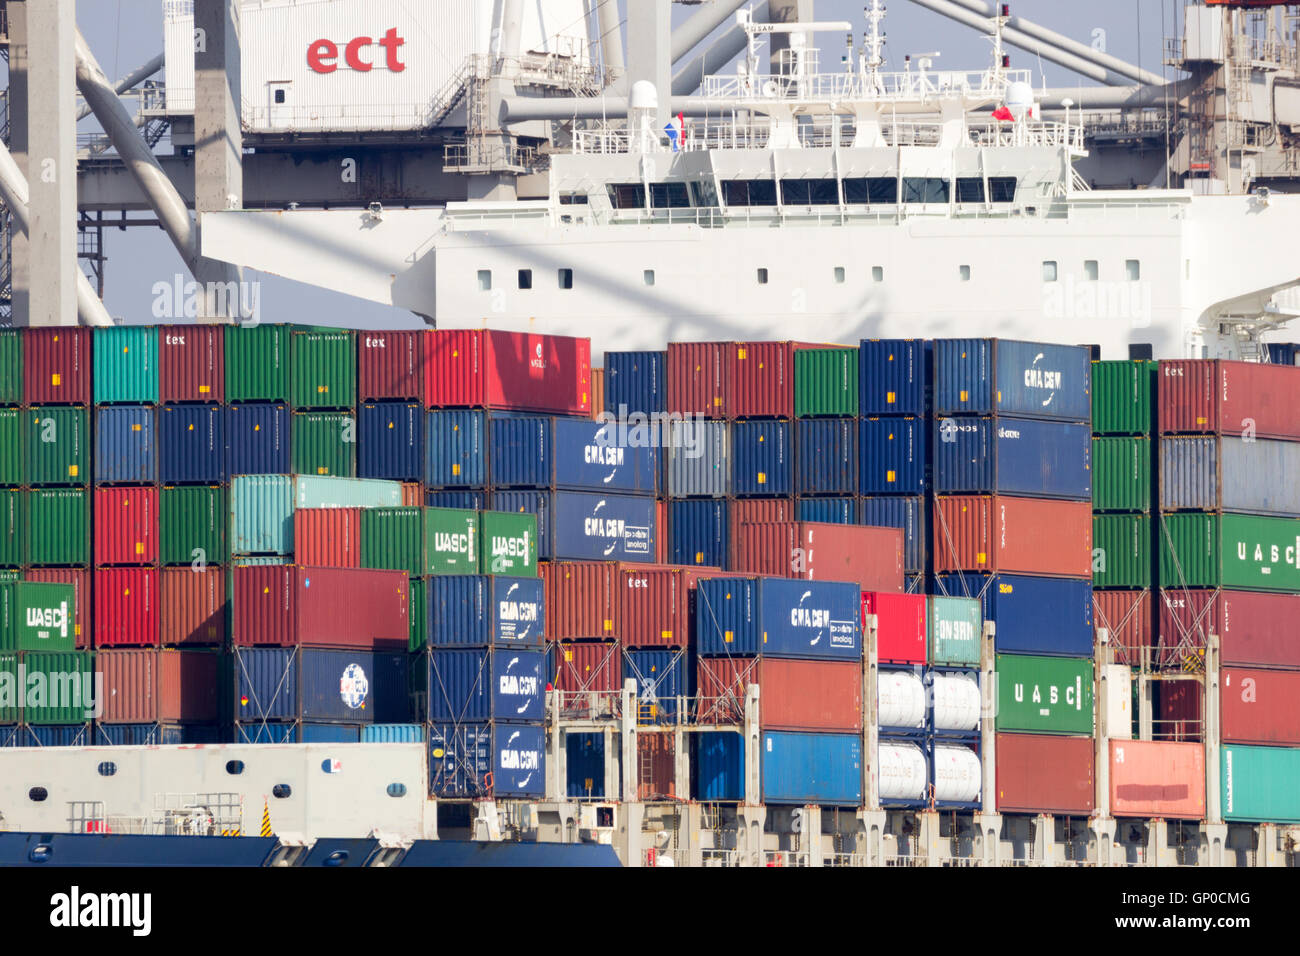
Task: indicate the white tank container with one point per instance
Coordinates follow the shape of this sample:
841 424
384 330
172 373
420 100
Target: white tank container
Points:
956 700
902 772
900 699
956 774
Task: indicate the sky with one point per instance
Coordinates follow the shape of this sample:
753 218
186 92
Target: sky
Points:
125 33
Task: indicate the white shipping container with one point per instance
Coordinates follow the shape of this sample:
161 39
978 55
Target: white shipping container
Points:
956 774
902 772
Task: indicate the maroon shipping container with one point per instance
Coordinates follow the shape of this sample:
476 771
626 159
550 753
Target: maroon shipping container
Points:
761 379
1127 616
264 605
151 685
656 767
126 607
1255 629
655 603
321 607
871 558
79 578
581 598
519 371
126 526
1001 534
743 511
56 366
327 537
591 666
809 695
193 606
191 363
1212 396
390 365
720 684
697 379
1179 708
900 626
1045 774
1260 706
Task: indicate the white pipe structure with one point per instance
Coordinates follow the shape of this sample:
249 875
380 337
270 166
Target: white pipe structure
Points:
520 109
129 82
13 188
726 48
611 39
1115 97
687 36
512 27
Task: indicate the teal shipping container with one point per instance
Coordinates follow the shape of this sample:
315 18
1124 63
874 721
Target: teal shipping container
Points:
1260 784
126 365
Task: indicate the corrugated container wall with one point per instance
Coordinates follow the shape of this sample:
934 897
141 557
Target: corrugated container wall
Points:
391 441
761 380
892 456
56 527
1260 784
1228 474
193 607
390 365
842 509
1122 394
150 686
634 382
901 629
508 370
192 444
591 456
193 523
906 513
1121 551
698 378
126 607
324 444
1232 551
871 558
58 440
477 610
11 367
324 368
1256 629
1002 533
1013 456
192 363
80 580
699 459
456 449
1121 474
697 532
825 382
126 526
1259 706
1033 615
126 447
812 768
56 366
257 439
955 627
1247 399
512 542
593 527
893 377
12 423
581 599
1003 376
327 537
126 364
590 666
257 363
1045 695
1039 774
761 459
1128 618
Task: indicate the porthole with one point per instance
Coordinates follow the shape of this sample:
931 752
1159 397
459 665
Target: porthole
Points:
234 767
397 789
281 790
37 794
107 768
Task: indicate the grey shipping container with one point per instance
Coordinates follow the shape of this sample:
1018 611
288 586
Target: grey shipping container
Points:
697 459
1230 474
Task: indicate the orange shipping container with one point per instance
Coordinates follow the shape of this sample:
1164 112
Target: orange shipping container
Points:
149 686
581 599
193 606
656 767
597 393
743 511
1002 534
1156 778
327 537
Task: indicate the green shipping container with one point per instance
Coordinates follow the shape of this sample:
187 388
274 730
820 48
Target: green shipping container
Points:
1121 474
1122 397
1044 695
325 443
1245 552
451 541
825 382
192 524
126 364
56 526
953 627
57 444
1121 551
11 367
9 689
1260 784
12 540
508 543
257 363
59 687
419 614
324 367
392 539
11 445
37 616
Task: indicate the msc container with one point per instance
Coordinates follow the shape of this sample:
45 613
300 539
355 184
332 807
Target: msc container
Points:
893 377
581 599
697 532
324 368
761 379
826 382
812 768
761 462
481 609
126 364
1011 535
324 443
56 366
328 537
719 766
1013 456
392 734
1229 474
807 695
908 514
257 363
1216 397
334 607
12 423
698 377
193 607
126 607
1127 618
69 678
1255 628
662 678
192 363
474 684
257 437
192 524
37 616
456 449
1033 615
152 686
126 526
1121 551
391 441
515 371
830 510
778 618
699 460
1006 377
900 626
1122 395
390 365
481 760
827 456
126 450
79 580
1121 474
1157 778
324 684
11 366
588 667
1038 774
634 382
892 458
1046 695
393 539
1260 784
57 440
1231 551
511 542
596 456
954 629
56 526
261 514
870 558
192 445
599 527
1258 706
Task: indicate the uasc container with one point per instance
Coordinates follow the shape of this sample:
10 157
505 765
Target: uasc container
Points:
1049 695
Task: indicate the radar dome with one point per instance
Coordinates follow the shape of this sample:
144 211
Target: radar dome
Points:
644 96
1020 94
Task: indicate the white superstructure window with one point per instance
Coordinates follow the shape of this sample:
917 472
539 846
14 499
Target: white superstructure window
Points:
485 280
1132 270
1090 271
649 276
762 277
963 273
565 277
877 273
525 278
839 275
1049 270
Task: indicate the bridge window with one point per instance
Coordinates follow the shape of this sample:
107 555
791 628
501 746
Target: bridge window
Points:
762 277
1090 271
872 190
877 273
1132 270
627 195
749 192
839 275
1049 270
925 189
963 273
809 192
649 276
525 278
970 189
573 199
669 196
565 278
485 280
1002 188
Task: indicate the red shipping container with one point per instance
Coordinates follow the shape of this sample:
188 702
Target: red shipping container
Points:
1179 707
518 371
352 607
150 685
1001 534
193 606
56 366
327 537
1212 396
1045 774
1127 616
581 599
79 578
652 607
1157 779
809 695
743 511
761 379
871 558
597 393
126 607
697 379
588 666
720 684
390 365
900 626
264 608
656 767
1255 628
412 494
1260 706
126 526
191 363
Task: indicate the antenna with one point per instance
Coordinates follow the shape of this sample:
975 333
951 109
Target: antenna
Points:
875 38
1000 60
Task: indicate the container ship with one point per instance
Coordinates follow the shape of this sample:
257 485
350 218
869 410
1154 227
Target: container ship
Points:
992 566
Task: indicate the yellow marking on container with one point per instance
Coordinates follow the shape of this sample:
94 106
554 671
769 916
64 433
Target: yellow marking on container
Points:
762 478
191 428
666 635
609 625
56 379
964 395
125 349
981 557
740 354
204 389
890 396
728 637
136 428
455 469
568 655
139 547
321 389
890 476
72 470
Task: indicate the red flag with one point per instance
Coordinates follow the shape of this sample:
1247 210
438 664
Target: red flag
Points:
1002 113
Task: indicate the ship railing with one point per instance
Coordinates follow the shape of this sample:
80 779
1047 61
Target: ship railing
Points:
335 117
721 857
588 704
845 859
908 85
775 858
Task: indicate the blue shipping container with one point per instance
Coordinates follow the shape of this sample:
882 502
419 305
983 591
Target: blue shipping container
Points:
46 735
832 510
596 527
1008 377
827 460
821 769
760 458
126 446
521 450
287 683
464 500
778 617
892 376
719 766
310 732
392 734
592 456
1050 617
137 735
584 758
907 513
260 732
257 437
192 445
1013 456
539 503
478 760
697 532
892 456
469 610
456 449
662 675
391 441
634 382
482 684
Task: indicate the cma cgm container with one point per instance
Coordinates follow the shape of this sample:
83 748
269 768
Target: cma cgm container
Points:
1230 551
257 363
481 609
900 626
634 382
761 460
37 616
1259 706
481 760
1260 784
1040 774
908 515
479 684
1013 535
1006 377
1051 617
1122 397
154 686
1157 778
698 378
892 455
608 527
893 377
826 382
391 441
56 366
516 371
955 627
1211 396
329 607
595 456
697 532
390 365
1013 456
1045 695
779 618
805 769
126 446
1255 628
192 363
257 438
456 449
1231 475
326 684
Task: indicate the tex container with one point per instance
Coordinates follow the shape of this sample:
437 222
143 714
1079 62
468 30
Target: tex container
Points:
1260 784
654 604
471 610
779 618
488 683
581 599
57 446
634 382
483 760
391 441
324 443
69 679
56 366
11 366
1255 628
1007 377
192 445
1157 778
825 382
37 616
603 527
1044 695
906 513
1013 456
56 527
80 581
1000 533
1216 397
155 686
1231 551
598 456
697 532
390 365
826 459
1121 551
954 629
126 526
900 626
456 449
1127 616
892 455
1122 394
192 363
512 541
257 439
698 378
323 368
1230 475
1258 706
806 769
126 365
193 608
699 459
662 678
1032 615
761 379
12 423
1121 474
761 458
297 683
192 523
257 363
126 607
328 607
514 371
393 539
870 558
1039 774
893 377
126 445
